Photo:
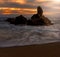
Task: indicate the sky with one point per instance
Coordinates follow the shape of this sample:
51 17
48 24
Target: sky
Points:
26 7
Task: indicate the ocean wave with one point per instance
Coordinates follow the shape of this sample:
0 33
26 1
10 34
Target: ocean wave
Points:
11 35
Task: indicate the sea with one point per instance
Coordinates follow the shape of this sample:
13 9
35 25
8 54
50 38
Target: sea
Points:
12 35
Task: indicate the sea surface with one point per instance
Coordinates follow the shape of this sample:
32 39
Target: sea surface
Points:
11 35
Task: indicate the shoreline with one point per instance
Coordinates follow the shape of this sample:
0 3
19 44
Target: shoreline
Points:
43 50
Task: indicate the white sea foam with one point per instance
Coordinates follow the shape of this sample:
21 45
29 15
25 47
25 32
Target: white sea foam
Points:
11 35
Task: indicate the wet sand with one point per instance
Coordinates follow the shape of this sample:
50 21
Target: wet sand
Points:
44 50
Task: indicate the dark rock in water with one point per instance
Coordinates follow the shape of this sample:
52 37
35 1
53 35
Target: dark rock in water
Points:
29 22
11 20
39 18
39 11
20 20
36 19
46 21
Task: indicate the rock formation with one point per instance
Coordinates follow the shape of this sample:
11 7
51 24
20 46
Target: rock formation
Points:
29 22
20 20
39 18
11 20
36 19
39 11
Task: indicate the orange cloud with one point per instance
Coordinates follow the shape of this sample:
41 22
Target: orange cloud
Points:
49 13
41 0
7 10
21 1
1 1
18 1
26 11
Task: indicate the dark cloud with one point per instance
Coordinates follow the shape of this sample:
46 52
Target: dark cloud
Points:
29 4
47 5
16 5
30 1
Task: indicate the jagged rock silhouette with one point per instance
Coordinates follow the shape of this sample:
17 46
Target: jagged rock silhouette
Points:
36 19
17 20
39 18
39 11
20 20
11 20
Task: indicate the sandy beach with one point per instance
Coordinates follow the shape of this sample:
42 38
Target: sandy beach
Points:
44 50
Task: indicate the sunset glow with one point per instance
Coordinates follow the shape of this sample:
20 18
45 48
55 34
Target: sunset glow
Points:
56 0
7 10
29 6
21 1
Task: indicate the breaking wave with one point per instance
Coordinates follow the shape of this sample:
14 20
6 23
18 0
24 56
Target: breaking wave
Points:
11 35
